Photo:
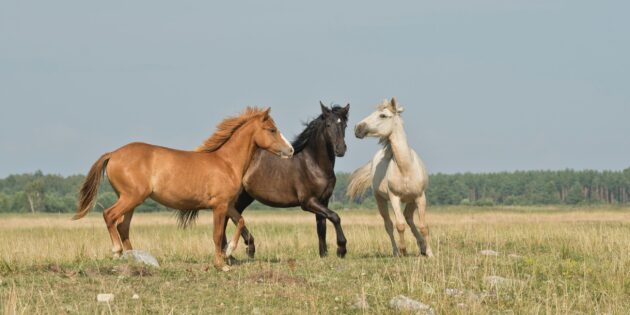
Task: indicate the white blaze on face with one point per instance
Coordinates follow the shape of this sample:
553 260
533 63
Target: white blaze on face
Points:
338 120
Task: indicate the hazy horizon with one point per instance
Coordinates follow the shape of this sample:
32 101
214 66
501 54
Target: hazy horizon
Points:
487 86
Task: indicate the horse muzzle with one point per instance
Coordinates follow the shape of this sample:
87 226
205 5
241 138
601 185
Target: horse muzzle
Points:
340 150
360 131
287 153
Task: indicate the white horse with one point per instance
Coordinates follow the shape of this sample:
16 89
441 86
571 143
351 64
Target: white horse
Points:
396 173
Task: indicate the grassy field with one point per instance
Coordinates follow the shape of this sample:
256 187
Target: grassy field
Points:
567 261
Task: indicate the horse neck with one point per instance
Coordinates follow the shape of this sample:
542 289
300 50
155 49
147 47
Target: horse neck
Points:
397 140
239 149
321 151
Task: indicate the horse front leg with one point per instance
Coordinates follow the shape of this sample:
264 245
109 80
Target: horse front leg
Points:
400 223
313 205
243 201
387 220
321 234
219 215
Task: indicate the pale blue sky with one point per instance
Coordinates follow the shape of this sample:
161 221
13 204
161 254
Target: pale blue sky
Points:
487 85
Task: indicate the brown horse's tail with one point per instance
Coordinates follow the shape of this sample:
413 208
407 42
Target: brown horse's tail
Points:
89 189
360 181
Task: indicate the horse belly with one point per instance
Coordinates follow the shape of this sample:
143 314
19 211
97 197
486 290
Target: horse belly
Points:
283 195
185 189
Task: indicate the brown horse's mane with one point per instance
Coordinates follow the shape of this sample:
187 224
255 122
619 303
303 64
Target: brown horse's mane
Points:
226 128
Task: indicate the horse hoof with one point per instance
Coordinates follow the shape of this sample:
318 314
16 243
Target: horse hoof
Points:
231 260
341 252
427 254
251 252
222 267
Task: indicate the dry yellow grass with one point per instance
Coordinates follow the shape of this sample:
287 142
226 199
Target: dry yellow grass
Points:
564 261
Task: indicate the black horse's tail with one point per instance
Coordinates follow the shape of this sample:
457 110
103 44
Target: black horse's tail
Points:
186 218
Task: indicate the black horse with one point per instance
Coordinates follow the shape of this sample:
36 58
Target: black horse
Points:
307 180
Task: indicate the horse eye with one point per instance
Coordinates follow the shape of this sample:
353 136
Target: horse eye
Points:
272 130
383 116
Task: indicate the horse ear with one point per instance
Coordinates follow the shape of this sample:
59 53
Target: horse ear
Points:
346 110
396 108
265 115
325 109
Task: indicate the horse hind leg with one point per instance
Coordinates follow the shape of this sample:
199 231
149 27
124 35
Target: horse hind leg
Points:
424 228
113 216
123 230
409 210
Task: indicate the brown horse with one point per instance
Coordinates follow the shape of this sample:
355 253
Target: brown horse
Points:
307 180
208 178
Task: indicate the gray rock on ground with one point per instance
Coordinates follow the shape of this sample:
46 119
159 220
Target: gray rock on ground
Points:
403 303
489 252
141 257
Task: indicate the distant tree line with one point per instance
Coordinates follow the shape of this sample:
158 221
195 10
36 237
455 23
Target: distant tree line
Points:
566 187
38 192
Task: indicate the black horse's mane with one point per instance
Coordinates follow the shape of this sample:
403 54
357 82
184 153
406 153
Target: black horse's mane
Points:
313 128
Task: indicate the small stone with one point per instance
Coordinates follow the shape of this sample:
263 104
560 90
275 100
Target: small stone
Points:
453 292
105 297
141 257
135 297
403 303
489 252
514 256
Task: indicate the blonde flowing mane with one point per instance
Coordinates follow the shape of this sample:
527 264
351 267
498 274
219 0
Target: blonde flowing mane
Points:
226 128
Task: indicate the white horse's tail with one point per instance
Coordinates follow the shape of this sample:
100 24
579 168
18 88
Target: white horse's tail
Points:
360 181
